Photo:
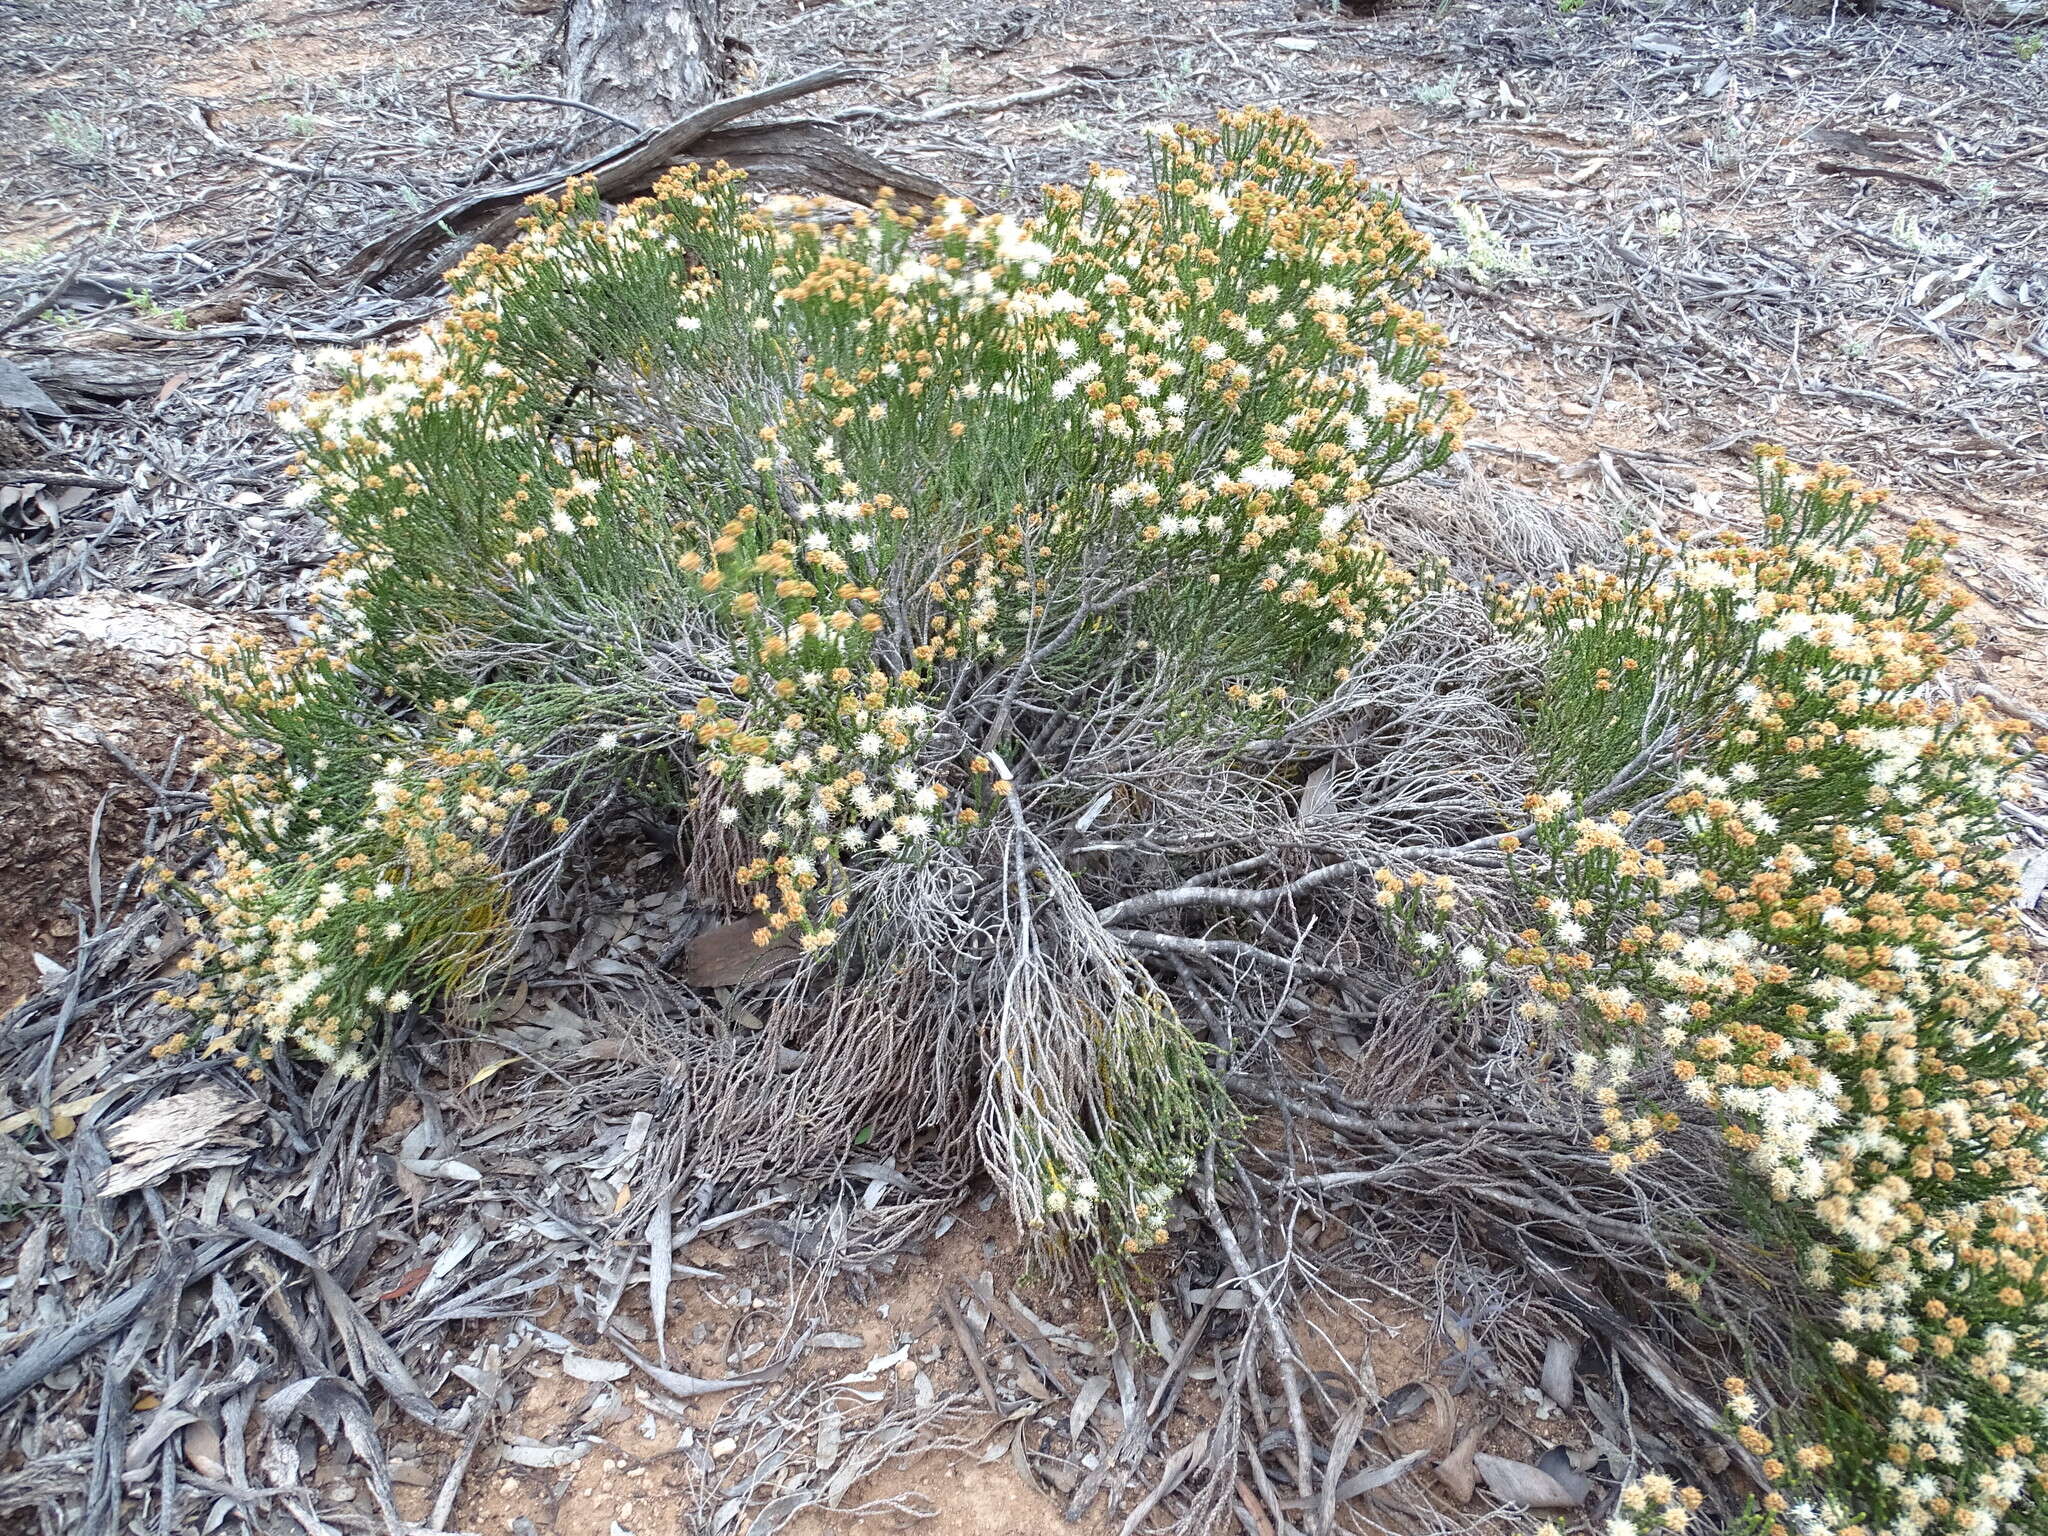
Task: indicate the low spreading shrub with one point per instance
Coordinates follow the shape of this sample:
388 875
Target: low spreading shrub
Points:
807 533
931 574
1806 927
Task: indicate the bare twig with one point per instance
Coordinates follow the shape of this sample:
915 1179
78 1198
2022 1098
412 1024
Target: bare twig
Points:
45 296
555 101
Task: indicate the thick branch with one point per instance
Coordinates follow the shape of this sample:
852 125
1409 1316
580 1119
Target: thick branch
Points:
632 168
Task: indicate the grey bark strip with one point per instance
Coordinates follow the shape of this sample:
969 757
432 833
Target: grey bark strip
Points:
60 1348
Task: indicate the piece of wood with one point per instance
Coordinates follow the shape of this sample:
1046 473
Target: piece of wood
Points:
798 154
101 375
2006 13
195 1129
808 154
650 61
47 294
728 956
970 1349
1884 173
19 392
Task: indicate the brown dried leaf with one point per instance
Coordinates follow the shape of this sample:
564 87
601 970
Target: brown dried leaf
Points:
1455 1471
201 1444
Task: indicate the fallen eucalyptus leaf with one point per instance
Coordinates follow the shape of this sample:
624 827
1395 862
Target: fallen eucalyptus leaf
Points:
546 1456
585 1368
1378 1477
1085 1403
1403 1403
1558 1464
443 1168
1560 1355
1516 1482
1456 1471
201 1444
